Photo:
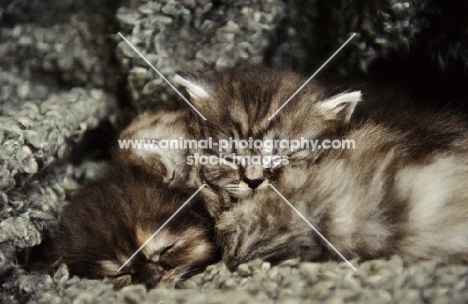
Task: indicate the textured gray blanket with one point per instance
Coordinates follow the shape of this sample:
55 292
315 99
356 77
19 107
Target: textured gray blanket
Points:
64 70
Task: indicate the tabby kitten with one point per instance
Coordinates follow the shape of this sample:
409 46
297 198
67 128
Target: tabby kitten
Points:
150 128
237 104
401 189
372 204
108 220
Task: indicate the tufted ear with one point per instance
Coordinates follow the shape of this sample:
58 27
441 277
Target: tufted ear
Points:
194 84
340 107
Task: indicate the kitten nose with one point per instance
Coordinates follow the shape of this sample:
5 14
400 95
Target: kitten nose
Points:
148 273
254 183
153 281
253 175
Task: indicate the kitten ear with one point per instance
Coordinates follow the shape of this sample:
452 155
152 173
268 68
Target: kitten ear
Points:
340 107
194 85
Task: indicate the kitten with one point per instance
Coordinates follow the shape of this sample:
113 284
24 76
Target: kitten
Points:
237 105
149 129
108 220
401 190
367 206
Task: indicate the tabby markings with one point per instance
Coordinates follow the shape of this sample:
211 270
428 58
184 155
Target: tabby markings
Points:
160 228
312 226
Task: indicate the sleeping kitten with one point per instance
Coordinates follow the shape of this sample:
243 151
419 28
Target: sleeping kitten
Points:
372 202
401 190
107 221
149 129
237 104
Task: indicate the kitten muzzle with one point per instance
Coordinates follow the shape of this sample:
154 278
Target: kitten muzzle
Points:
148 273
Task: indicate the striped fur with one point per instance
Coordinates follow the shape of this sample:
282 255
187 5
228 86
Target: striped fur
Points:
402 190
108 220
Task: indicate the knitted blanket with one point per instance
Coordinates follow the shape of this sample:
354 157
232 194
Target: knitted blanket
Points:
67 77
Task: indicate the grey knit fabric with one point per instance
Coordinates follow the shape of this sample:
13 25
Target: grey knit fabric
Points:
190 35
61 70
313 29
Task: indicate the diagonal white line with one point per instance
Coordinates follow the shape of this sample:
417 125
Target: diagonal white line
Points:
312 226
162 76
160 228
310 78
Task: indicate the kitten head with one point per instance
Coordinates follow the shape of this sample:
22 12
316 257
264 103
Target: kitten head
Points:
169 257
146 143
238 105
108 221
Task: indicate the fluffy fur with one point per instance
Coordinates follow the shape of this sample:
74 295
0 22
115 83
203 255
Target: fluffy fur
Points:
153 126
399 190
108 220
402 190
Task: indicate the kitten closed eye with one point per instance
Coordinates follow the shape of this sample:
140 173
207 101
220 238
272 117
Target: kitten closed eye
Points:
108 220
400 188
